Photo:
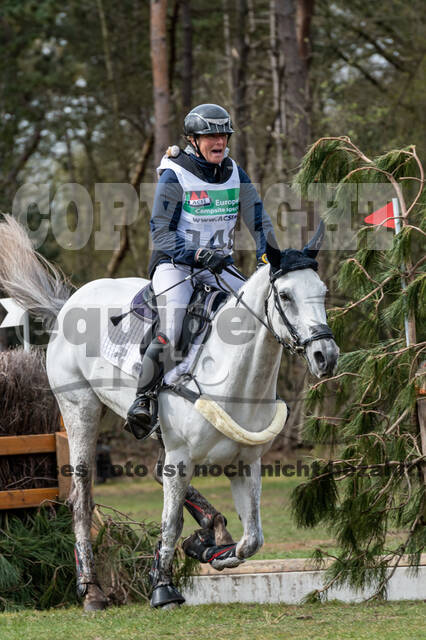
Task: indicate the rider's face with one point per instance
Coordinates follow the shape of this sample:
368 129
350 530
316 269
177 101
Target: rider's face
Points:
213 146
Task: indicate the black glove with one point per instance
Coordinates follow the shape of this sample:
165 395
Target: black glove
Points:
214 259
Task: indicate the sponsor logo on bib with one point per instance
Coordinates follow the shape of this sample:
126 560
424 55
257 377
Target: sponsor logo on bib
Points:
199 199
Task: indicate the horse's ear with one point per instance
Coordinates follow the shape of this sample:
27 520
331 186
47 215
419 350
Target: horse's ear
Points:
314 245
273 253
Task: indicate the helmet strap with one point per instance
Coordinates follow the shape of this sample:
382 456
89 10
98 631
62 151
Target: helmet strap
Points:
197 147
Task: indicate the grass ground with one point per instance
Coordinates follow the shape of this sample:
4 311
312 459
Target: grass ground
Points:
331 621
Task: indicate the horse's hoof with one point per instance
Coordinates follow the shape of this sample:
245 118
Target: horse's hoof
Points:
166 594
226 563
170 606
95 599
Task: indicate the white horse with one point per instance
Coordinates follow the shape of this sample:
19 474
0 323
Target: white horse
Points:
238 369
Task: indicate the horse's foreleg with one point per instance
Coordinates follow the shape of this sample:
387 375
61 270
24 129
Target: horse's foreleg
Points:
200 508
81 420
246 492
176 478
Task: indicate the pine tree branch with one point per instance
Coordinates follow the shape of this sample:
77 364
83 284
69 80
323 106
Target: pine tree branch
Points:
412 178
360 68
358 302
359 265
345 373
374 42
397 555
422 178
410 226
417 265
397 422
368 404
391 179
352 149
411 346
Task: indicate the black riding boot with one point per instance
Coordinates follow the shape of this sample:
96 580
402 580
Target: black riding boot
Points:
139 414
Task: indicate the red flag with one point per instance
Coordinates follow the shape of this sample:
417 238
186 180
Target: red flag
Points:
378 216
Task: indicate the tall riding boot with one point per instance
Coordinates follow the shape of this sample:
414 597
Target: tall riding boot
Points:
139 414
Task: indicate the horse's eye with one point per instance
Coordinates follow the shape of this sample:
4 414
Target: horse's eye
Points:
285 297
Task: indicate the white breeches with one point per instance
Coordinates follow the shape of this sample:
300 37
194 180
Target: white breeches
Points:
172 304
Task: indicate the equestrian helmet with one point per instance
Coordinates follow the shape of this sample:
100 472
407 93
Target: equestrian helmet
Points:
207 119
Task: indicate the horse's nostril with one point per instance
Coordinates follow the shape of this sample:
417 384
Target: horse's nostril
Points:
319 359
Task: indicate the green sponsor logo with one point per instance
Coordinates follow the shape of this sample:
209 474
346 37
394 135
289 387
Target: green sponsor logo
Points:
212 203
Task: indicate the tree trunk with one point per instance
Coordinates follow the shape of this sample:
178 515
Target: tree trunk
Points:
240 64
293 19
172 29
113 88
276 69
305 11
127 235
293 22
228 54
187 56
160 77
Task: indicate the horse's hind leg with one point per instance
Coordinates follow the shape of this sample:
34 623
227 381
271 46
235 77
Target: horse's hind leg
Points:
81 414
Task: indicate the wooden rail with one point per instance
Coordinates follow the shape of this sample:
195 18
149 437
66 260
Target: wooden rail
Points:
39 443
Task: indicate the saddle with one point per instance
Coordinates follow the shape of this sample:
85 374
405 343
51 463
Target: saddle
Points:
129 334
204 303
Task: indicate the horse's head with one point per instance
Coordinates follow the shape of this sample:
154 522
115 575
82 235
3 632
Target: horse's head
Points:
296 305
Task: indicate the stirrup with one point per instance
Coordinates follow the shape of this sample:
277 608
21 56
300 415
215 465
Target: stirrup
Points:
139 430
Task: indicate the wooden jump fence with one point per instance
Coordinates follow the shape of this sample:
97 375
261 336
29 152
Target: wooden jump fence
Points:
29 444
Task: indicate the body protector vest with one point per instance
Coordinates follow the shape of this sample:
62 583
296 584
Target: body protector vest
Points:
209 211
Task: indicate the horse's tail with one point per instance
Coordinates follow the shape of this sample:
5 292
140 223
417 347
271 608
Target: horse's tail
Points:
27 277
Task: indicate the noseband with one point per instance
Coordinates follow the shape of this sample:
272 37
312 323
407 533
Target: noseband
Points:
318 331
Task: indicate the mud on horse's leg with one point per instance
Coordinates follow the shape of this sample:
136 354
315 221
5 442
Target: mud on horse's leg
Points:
164 592
200 508
81 418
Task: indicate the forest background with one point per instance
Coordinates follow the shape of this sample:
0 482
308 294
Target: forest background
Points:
95 91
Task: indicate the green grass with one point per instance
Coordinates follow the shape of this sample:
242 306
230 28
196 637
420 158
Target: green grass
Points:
331 621
142 499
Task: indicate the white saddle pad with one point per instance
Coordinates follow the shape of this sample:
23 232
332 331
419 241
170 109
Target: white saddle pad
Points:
120 346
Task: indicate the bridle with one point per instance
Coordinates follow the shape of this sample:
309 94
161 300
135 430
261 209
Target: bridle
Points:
297 345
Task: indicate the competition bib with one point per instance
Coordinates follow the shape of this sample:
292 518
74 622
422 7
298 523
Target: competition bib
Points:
209 211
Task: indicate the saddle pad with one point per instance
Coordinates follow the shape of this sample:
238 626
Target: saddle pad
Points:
120 345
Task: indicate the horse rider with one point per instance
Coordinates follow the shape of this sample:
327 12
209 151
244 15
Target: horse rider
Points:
199 195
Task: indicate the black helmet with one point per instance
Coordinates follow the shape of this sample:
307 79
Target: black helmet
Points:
207 118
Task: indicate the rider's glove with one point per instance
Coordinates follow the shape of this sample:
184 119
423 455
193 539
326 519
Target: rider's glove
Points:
262 261
213 259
